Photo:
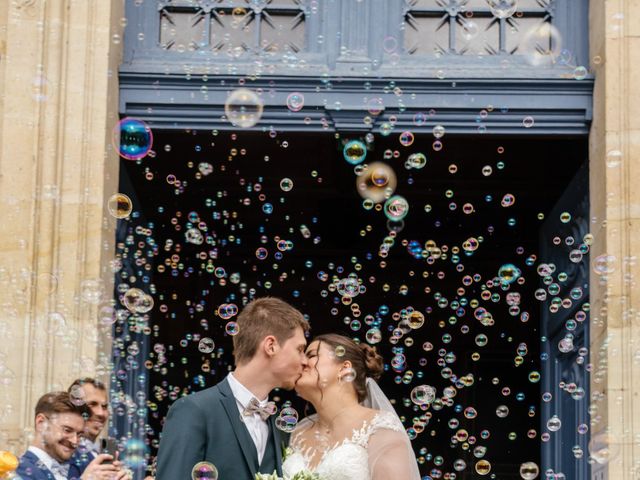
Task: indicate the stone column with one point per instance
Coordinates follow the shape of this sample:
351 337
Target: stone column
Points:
58 104
615 211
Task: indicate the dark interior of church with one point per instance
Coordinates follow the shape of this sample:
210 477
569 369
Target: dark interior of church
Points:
209 200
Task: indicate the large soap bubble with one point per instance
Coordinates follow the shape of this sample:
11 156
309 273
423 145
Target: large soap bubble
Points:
243 108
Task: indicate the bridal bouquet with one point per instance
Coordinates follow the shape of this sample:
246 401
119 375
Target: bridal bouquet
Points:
304 475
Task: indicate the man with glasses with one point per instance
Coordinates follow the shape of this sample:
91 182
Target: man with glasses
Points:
93 394
59 425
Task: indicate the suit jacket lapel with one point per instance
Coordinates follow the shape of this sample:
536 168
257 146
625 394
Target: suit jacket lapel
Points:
277 444
33 458
242 434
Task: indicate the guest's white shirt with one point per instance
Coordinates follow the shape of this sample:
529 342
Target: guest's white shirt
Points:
48 461
92 447
258 428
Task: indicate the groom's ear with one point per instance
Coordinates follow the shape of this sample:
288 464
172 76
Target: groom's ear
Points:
270 345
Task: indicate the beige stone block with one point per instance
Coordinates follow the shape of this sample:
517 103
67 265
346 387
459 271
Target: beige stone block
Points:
631 69
632 15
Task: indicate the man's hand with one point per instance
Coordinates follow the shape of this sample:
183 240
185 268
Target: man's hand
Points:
123 472
99 470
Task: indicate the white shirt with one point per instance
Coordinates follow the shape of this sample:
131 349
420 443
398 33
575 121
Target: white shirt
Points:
48 461
88 446
258 428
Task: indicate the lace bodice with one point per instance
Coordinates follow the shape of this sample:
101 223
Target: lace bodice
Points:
354 458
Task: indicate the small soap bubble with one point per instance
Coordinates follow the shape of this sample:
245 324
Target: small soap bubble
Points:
206 345
355 152
348 375
503 8
295 101
119 205
204 471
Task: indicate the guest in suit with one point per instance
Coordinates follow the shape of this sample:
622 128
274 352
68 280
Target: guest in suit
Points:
59 423
231 424
93 394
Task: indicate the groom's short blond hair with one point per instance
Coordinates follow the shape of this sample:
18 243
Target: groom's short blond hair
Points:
263 317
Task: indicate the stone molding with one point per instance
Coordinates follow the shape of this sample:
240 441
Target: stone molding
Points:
56 170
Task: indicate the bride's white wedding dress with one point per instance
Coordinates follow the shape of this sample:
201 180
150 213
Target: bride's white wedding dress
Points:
380 450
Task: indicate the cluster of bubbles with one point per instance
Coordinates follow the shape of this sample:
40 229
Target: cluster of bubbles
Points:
431 373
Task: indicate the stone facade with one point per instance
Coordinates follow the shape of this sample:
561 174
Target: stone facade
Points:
58 103
614 164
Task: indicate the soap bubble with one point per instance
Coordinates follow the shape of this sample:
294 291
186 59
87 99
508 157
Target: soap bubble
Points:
286 184
204 470
423 394
132 138
580 73
603 448
376 182
469 30
508 200
373 336
396 208
459 465
554 423
416 320
136 301
483 467
119 205
438 131
295 101
503 8
355 152
541 45
206 345
508 273
529 471
243 108
406 139
193 235
417 160
134 454
502 411
349 375
287 420
232 328
604 264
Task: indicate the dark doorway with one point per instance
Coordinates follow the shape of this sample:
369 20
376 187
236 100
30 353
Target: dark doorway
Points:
223 191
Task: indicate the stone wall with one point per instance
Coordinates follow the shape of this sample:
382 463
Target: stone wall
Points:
58 94
615 215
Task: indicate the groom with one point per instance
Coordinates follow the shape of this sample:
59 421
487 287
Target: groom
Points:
229 424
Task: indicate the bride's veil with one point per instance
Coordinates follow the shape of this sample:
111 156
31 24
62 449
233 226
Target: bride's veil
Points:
377 400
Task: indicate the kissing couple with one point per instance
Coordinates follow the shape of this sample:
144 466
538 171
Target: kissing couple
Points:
355 433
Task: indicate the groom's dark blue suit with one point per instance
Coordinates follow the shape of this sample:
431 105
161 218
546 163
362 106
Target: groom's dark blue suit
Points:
206 426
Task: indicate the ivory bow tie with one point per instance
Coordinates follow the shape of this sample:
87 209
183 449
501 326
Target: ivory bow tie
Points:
264 412
60 469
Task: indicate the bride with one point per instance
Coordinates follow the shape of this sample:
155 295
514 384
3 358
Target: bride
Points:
355 434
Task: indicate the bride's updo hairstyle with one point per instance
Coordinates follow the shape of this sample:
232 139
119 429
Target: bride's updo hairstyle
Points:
365 360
